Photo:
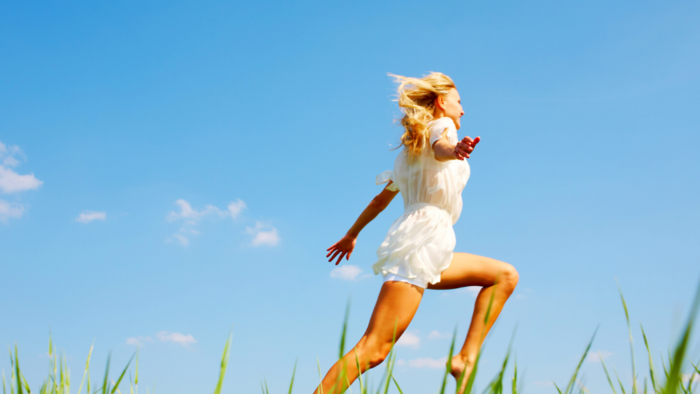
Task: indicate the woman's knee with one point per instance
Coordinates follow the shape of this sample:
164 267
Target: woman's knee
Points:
509 277
374 353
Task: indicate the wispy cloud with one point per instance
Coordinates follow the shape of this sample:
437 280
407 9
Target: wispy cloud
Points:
13 183
88 216
181 239
409 339
138 341
176 337
596 357
263 235
435 334
686 377
191 217
472 290
10 181
10 210
346 272
543 383
425 362
236 207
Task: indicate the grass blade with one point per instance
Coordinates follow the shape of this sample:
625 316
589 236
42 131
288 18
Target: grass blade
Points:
392 357
320 386
116 384
105 388
18 377
359 373
570 387
397 384
629 330
652 370
607 375
224 364
87 368
673 382
345 330
291 384
448 367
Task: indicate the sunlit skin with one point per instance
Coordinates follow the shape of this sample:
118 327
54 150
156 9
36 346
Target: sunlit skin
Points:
398 301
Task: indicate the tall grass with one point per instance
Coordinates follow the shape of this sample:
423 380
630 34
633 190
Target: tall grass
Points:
669 381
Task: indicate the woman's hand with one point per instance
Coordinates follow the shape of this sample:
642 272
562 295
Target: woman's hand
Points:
465 147
341 248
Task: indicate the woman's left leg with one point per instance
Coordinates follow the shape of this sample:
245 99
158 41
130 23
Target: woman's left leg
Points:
498 280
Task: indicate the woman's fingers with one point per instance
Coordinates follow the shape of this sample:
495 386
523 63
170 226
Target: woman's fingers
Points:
331 249
466 148
340 258
335 253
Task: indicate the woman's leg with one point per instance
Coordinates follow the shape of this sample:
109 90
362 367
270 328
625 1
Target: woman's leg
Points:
498 280
396 305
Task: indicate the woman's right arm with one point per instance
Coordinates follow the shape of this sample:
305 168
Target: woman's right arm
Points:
445 151
346 244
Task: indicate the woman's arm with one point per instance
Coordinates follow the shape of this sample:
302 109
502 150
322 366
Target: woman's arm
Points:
445 151
346 244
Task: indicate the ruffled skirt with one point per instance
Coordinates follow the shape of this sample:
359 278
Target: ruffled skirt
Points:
419 244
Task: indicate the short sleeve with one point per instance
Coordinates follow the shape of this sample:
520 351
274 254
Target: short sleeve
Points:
438 127
385 177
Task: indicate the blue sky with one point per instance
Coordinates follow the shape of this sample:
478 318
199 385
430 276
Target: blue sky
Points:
171 170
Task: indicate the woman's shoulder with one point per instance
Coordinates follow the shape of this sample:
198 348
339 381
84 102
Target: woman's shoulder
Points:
442 123
437 128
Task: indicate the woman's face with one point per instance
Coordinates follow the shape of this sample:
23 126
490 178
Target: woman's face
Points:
453 106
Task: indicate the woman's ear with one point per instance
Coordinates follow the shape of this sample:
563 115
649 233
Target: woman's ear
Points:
440 102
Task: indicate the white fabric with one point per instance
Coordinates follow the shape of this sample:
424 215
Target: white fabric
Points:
418 281
420 243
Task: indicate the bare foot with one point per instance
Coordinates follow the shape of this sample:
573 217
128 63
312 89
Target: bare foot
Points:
459 367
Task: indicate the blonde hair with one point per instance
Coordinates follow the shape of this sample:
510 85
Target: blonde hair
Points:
416 98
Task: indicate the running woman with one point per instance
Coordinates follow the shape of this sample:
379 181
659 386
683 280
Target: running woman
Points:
418 252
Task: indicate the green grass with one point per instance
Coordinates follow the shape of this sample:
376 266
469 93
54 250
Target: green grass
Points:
669 381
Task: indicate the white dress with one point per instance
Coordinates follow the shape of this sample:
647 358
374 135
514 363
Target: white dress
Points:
420 243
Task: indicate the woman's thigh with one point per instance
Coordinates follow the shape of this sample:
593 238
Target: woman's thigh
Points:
468 269
396 305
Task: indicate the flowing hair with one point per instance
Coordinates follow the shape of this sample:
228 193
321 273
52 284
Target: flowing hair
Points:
416 98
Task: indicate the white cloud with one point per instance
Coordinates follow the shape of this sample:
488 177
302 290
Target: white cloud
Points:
181 239
543 383
138 341
409 339
184 340
598 356
236 207
346 272
10 181
10 210
435 334
687 376
263 235
427 362
191 215
473 290
88 216
7 154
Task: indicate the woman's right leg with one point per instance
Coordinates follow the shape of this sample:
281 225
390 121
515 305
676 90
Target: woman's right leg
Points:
396 306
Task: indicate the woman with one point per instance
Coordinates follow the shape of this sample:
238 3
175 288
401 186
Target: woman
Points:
417 253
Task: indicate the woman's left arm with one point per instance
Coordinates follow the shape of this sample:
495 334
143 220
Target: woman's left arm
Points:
346 244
